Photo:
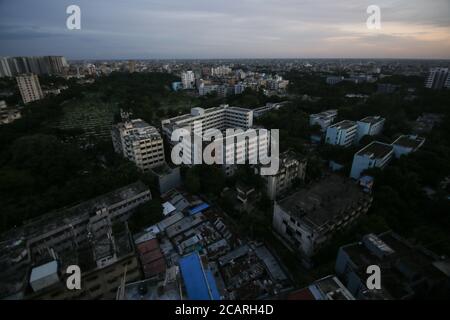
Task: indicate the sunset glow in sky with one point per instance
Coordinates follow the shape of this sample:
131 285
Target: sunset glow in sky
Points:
226 29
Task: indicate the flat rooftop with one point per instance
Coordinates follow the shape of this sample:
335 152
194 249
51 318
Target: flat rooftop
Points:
326 113
323 201
399 259
344 124
412 142
375 150
372 119
171 122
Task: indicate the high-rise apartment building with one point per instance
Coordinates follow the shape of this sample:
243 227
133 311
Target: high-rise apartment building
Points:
5 69
188 79
30 88
437 78
12 66
139 142
220 118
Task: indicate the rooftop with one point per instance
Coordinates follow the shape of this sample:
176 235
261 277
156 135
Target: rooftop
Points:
403 263
326 114
376 150
138 129
344 124
372 119
323 201
328 288
198 113
412 142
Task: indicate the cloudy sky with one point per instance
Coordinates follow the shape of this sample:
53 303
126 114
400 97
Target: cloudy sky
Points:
226 29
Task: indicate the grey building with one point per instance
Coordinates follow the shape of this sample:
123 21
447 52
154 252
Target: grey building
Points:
80 235
407 271
292 167
139 142
307 219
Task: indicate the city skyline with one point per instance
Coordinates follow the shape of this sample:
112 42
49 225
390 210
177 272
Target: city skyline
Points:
219 30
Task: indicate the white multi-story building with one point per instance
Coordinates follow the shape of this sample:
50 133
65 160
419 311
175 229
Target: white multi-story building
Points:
323 119
307 219
139 142
30 88
437 78
188 79
342 133
376 154
220 71
205 89
407 144
371 126
220 118
332 80
290 169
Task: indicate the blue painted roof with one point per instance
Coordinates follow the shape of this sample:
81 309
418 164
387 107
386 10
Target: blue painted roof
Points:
199 282
198 208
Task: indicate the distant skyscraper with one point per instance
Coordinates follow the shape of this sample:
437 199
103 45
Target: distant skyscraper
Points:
29 87
188 79
12 66
437 78
5 70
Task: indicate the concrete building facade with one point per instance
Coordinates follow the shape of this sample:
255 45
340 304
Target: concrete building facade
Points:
406 144
307 219
29 87
323 119
437 78
407 271
371 126
374 155
188 79
139 142
342 133
82 235
200 120
291 168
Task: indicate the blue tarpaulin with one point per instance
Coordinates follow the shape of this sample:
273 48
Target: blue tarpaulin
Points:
199 281
198 208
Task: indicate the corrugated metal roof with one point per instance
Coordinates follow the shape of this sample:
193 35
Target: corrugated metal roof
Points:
199 282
